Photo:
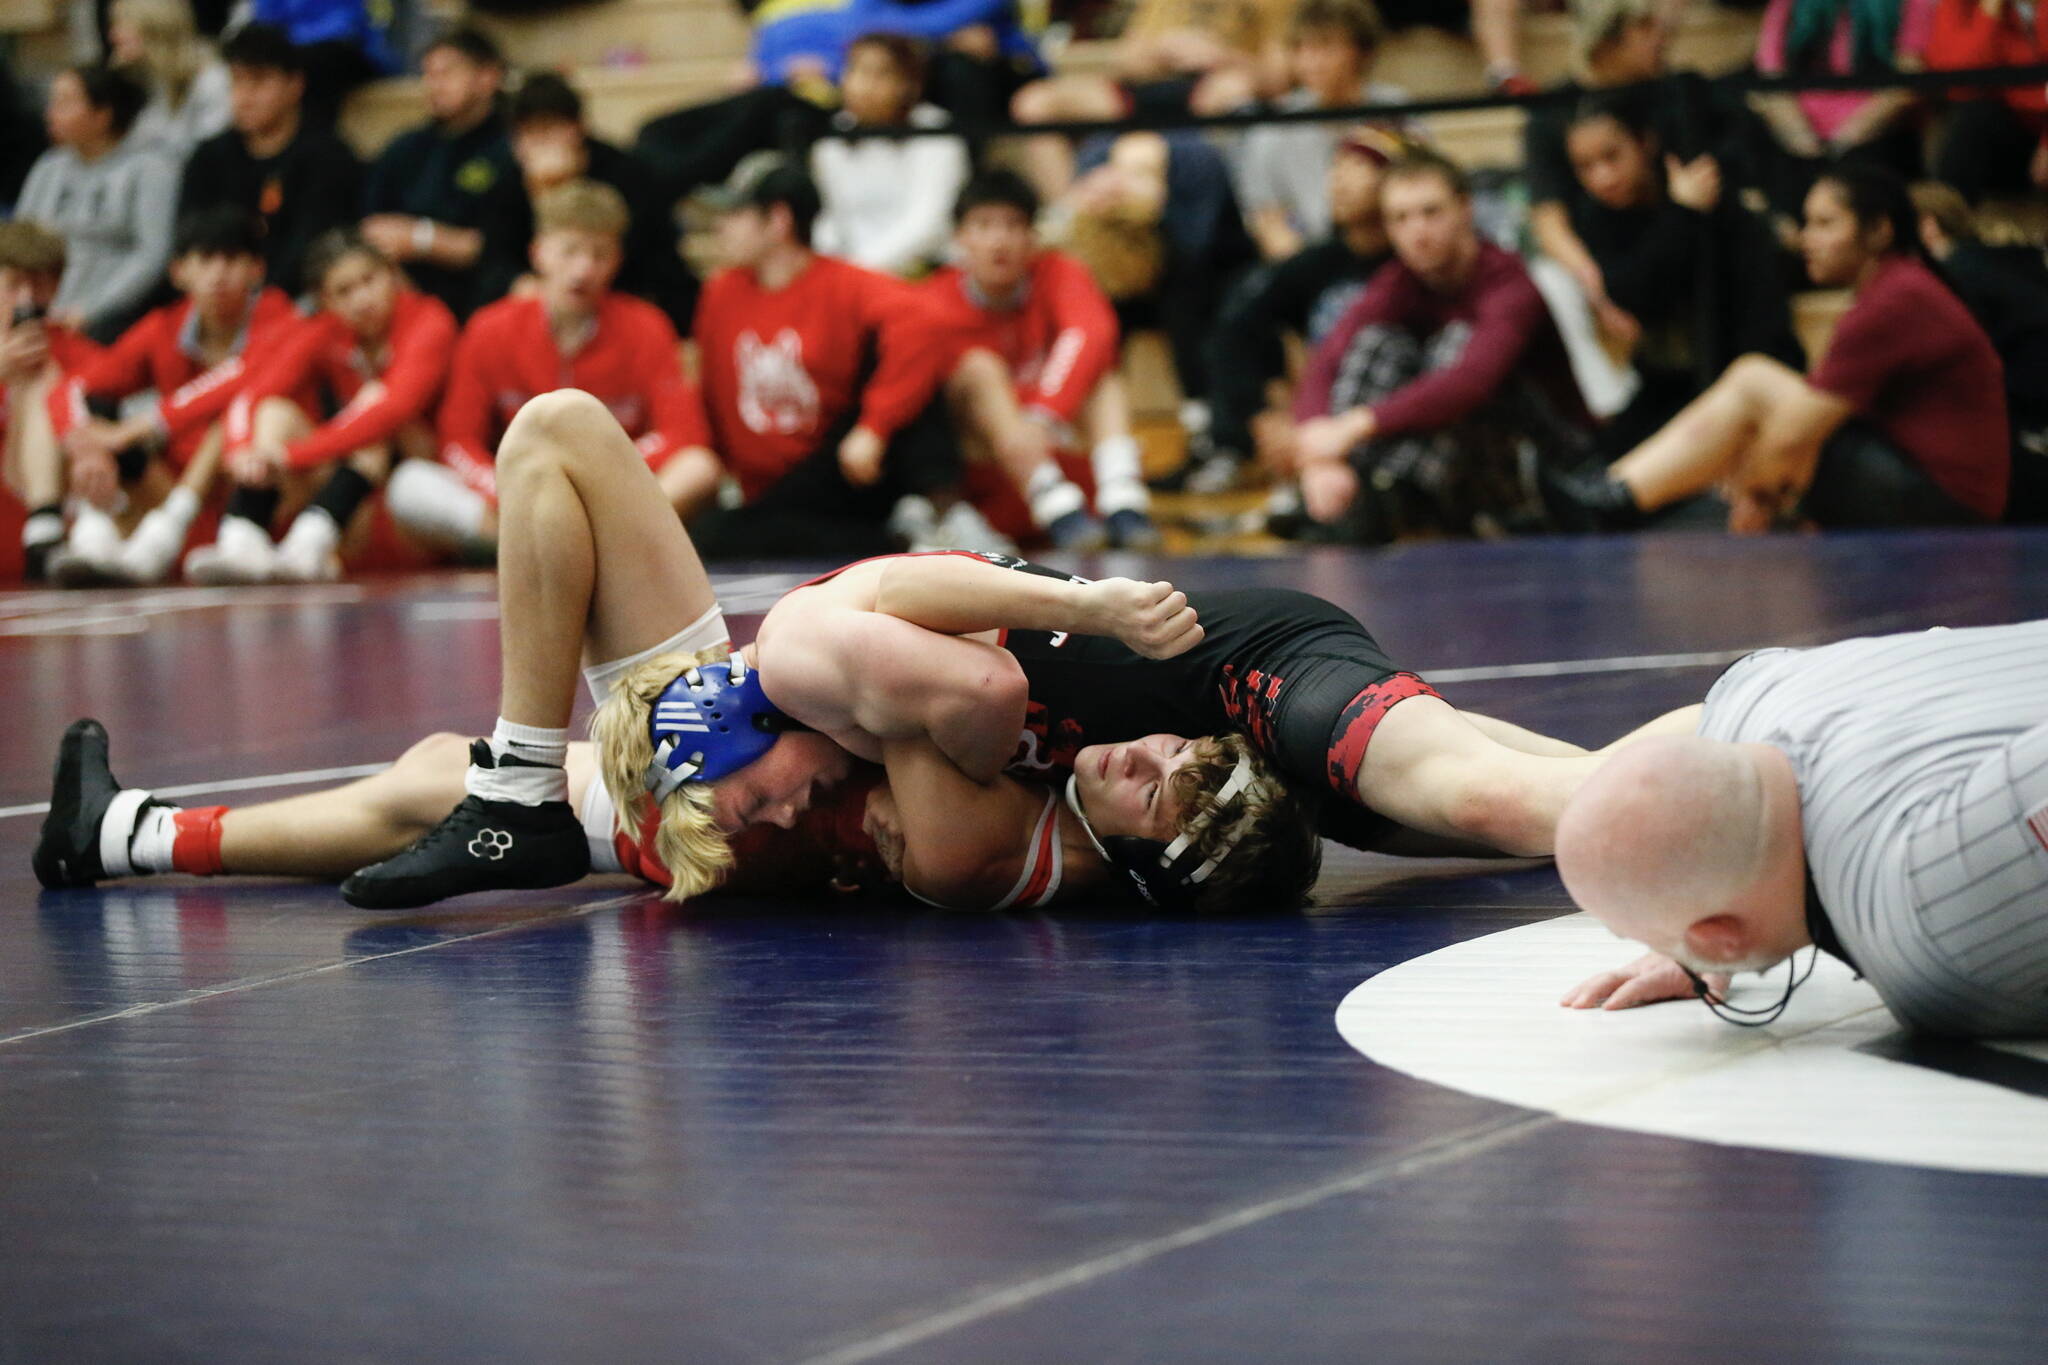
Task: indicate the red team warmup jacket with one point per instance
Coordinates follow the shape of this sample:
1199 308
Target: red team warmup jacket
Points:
71 351
158 353
1058 342
782 368
322 349
507 355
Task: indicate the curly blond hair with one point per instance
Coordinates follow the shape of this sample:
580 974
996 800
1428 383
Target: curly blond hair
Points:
697 854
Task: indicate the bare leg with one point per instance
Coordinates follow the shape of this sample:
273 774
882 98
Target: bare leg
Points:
1433 770
982 395
332 833
591 555
1049 160
34 458
1497 29
1706 441
1525 741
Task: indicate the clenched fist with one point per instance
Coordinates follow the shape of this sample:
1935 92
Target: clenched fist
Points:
1154 619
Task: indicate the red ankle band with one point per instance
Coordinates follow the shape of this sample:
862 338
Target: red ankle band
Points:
196 849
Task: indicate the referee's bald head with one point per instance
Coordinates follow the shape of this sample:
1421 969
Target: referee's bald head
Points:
1683 844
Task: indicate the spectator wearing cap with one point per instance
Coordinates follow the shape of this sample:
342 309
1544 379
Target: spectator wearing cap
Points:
1416 408
1301 297
572 330
553 145
820 379
110 199
426 195
1283 168
299 178
887 201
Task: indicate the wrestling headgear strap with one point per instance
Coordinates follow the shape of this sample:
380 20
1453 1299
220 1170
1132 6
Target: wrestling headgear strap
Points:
1168 875
711 721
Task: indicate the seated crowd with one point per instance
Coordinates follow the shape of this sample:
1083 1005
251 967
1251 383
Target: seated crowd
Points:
228 343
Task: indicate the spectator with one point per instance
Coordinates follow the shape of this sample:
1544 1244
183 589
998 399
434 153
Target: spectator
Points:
1995 142
553 146
36 354
1175 57
2006 290
887 201
1301 296
819 379
1689 278
191 356
378 352
1901 423
342 43
1034 368
1155 219
571 331
110 199
299 178
1433 381
155 41
426 195
1816 37
1283 168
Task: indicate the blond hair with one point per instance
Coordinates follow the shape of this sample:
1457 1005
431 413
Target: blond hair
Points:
1276 853
696 853
582 206
172 54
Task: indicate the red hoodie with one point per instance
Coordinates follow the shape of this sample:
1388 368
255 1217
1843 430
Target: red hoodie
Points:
1058 341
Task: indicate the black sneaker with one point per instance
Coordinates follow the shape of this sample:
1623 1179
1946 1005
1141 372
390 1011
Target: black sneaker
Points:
1586 500
68 853
481 846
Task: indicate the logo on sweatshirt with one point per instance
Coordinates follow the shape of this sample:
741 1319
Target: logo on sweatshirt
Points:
776 392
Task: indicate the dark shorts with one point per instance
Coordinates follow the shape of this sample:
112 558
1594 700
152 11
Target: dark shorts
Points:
1864 480
1313 704
1158 99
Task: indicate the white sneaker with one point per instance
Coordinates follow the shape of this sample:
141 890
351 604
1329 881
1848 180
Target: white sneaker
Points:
914 521
240 553
963 527
152 550
91 554
309 552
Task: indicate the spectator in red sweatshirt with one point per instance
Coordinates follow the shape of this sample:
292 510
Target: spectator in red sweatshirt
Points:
377 352
1432 382
820 381
570 331
36 355
183 363
1034 368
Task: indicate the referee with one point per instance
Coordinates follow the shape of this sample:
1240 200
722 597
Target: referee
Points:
1885 799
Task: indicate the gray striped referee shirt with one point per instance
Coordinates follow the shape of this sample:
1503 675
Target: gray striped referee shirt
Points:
1922 763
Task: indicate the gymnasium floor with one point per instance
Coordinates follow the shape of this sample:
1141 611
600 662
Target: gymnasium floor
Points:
240 1121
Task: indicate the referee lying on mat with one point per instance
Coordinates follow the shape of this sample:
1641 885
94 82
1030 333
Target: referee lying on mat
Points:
1885 799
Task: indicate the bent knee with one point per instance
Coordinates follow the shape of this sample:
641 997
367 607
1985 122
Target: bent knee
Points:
551 425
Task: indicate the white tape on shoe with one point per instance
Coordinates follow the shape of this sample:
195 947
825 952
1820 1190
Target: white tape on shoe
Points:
116 827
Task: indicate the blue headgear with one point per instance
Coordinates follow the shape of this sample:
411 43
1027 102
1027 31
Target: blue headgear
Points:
710 722
1169 875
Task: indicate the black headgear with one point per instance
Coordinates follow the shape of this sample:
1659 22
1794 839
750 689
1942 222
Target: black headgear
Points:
1169 875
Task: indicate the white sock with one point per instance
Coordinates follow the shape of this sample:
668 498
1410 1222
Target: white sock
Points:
93 532
42 528
1052 494
701 636
431 500
241 536
1119 480
149 847
529 786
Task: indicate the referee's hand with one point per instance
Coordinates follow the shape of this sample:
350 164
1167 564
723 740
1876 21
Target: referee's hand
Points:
1649 979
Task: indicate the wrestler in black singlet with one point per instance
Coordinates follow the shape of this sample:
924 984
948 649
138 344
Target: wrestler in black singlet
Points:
1300 676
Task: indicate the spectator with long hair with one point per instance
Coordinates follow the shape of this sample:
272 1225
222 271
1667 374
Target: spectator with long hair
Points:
1902 422
156 42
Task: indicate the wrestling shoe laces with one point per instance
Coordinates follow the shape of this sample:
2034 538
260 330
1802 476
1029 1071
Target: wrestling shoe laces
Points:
482 845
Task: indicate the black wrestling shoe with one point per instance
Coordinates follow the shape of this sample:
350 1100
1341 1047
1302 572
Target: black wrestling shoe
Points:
1585 500
68 853
481 846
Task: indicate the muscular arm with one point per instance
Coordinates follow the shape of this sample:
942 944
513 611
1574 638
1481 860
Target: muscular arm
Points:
965 844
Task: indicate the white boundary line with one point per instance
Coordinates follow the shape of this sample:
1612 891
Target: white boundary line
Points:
231 785
1557 669
1008 1298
